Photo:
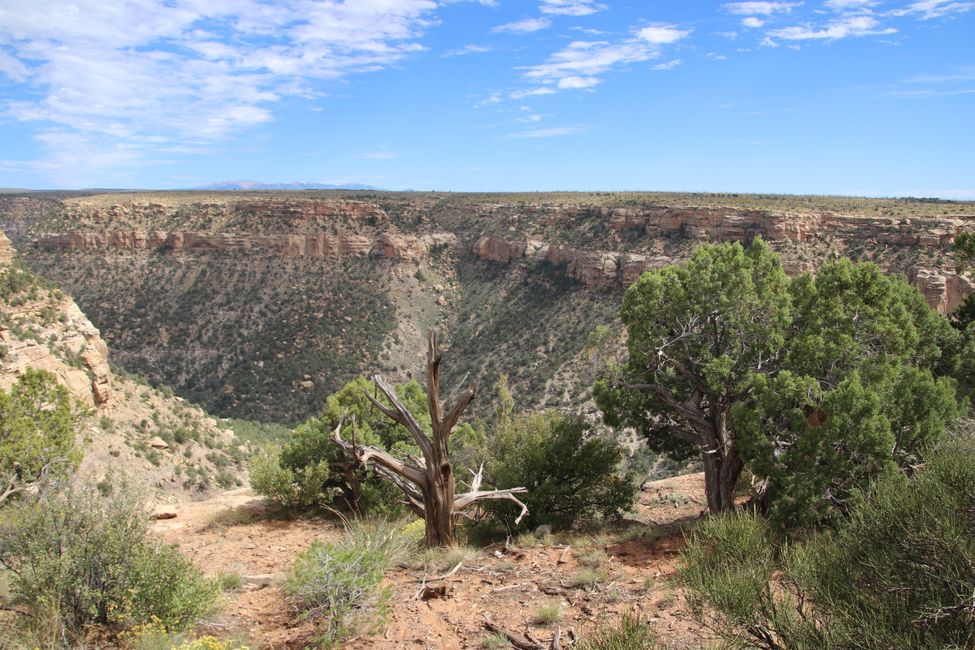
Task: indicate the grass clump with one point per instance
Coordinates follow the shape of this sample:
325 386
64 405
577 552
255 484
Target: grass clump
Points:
229 581
629 634
548 614
338 583
440 560
494 641
77 559
586 578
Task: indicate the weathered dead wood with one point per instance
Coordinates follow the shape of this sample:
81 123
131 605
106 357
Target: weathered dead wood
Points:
565 554
514 638
429 486
557 639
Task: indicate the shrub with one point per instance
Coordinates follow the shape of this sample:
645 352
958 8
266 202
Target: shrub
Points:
572 474
338 583
629 634
897 573
311 470
77 559
285 487
36 431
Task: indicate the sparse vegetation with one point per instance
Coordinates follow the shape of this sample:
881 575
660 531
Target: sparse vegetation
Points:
338 584
76 559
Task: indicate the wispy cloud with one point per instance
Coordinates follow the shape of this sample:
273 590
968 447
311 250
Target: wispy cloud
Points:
760 8
844 27
850 5
532 92
580 64
928 9
526 26
571 7
668 65
467 49
115 83
552 132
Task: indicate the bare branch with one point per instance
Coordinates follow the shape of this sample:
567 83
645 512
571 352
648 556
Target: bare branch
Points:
468 498
402 415
382 458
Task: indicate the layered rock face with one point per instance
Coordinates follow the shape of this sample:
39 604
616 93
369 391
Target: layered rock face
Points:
942 288
391 246
49 332
6 250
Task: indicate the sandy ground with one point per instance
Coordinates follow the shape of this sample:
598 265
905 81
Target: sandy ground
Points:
635 568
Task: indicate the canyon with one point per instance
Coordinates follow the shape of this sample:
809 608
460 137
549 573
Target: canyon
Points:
260 304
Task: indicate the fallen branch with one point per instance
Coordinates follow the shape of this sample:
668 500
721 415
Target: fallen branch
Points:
443 577
514 638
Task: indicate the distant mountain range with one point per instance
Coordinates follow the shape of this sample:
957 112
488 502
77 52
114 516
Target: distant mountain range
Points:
258 185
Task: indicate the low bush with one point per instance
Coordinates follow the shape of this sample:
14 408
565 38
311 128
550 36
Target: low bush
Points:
77 559
338 583
899 571
573 475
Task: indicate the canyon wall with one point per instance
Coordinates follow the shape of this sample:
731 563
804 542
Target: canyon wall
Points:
261 306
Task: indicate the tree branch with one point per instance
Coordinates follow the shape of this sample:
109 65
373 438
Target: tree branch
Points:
468 498
399 413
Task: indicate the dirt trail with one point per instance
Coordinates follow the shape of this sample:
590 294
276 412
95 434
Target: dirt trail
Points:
624 572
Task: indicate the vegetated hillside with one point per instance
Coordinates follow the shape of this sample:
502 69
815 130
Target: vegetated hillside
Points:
260 304
126 429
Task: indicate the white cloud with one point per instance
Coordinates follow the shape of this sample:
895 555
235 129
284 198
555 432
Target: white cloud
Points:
552 132
661 34
669 65
580 64
847 27
575 83
850 5
493 99
533 92
526 26
760 8
571 7
753 22
119 82
928 9
467 49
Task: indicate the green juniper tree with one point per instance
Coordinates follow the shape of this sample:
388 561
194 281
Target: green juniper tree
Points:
815 385
697 334
36 432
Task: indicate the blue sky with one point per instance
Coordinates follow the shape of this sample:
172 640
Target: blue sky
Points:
870 97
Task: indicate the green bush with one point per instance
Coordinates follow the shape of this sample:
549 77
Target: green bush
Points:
572 474
310 470
36 430
338 583
77 559
899 571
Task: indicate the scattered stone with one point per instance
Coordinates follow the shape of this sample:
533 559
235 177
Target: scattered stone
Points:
164 511
158 443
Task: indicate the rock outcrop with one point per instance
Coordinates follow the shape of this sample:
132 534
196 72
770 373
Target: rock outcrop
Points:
942 289
387 245
6 250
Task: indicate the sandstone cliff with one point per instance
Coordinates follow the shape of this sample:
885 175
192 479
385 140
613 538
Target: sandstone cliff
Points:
123 425
260 305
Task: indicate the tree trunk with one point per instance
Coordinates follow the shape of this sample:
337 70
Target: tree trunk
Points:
722 466
430 487
440 519
721 473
